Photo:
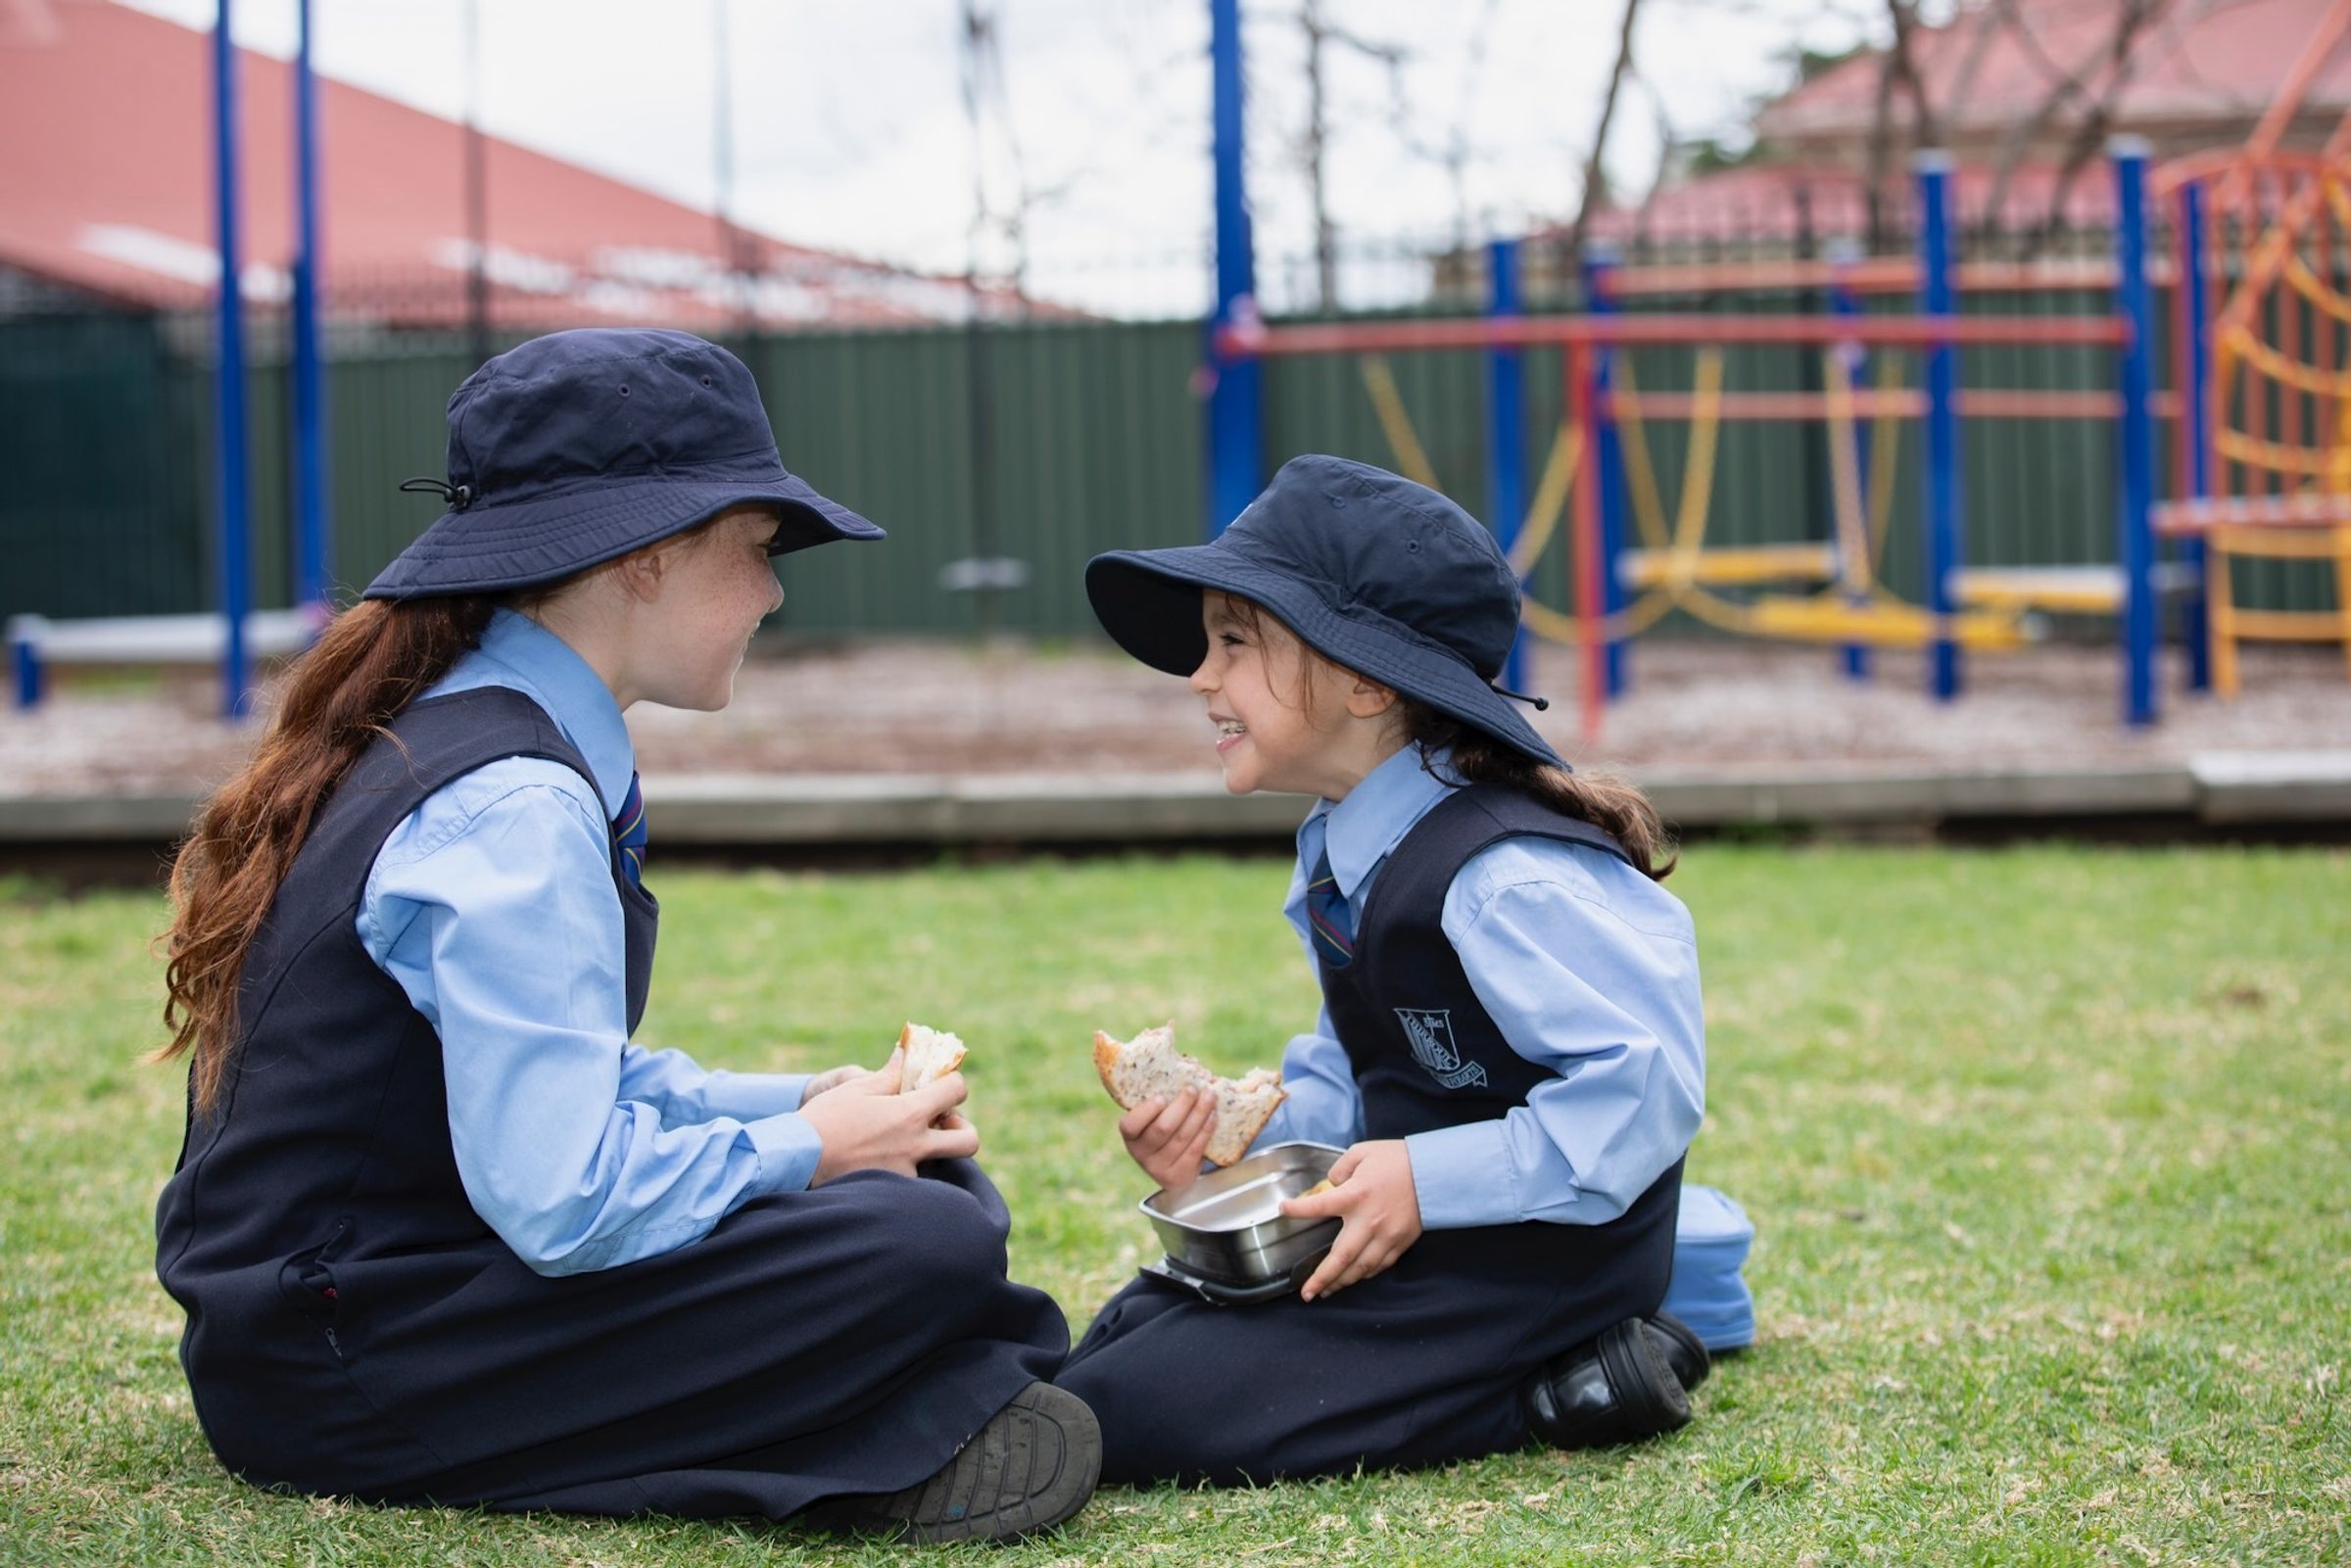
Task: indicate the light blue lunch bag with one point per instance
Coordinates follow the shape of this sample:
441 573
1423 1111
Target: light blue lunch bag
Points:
1711 1239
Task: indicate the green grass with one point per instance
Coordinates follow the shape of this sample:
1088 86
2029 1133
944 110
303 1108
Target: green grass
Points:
2046 1148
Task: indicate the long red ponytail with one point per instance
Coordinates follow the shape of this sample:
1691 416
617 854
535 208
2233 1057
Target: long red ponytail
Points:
373 660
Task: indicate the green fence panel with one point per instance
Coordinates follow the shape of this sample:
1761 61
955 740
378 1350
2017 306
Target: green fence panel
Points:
98 515
1042 443
1092 442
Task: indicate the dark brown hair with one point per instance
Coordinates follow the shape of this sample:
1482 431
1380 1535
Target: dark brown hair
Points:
1613 805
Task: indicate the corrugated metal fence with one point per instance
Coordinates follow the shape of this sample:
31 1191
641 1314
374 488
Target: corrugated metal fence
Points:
1087 436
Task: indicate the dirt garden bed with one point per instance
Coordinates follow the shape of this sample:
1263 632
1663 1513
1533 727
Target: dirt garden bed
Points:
918 707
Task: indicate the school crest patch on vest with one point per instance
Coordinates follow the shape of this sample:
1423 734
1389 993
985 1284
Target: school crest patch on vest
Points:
1430 1035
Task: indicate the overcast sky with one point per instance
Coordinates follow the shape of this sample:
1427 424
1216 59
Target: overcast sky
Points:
851 131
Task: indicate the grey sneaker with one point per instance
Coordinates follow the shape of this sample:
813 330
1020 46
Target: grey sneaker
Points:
1032 1467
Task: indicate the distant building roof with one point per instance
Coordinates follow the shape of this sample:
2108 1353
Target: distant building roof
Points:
106 185
2200 73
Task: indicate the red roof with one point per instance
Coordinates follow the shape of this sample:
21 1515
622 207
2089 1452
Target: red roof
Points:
106 185
2204 71
2197 61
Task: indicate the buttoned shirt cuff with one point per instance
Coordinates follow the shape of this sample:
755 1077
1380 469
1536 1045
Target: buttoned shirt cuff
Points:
1462 1177
788 1150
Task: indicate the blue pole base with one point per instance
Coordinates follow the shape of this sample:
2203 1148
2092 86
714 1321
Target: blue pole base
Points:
2195 622
1946 672
26 660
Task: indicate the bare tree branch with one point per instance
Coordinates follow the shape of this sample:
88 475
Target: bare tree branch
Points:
1454 154
2066 86
2091 133
1596 189
2111 65
1896 69
1881 152
1991 22
1925 130
1314 142
986 97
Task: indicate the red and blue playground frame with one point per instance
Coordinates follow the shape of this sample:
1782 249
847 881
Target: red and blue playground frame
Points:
1238 341
1597 498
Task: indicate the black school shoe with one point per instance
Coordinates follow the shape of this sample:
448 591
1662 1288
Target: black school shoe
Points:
1619 1388
1684 1350
1032 1467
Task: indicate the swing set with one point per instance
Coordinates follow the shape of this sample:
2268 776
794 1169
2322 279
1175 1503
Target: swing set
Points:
2261 411
1601 464
2261 447
1675 570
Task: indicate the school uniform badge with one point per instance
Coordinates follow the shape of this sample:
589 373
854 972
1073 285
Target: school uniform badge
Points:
1430 1035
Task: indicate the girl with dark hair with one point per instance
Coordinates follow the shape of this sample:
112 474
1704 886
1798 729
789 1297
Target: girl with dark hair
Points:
442 1231
1510 1049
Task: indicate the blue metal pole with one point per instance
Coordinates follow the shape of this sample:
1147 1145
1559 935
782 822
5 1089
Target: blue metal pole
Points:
1944 545
228 423
1505 431
25 659
2136 541
1235 428
313 549
1843 302
2195 424
1608 458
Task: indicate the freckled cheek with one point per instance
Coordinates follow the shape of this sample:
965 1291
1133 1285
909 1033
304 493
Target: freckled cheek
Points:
760 593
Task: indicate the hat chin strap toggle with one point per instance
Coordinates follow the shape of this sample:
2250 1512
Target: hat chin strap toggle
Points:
1541 704
456 496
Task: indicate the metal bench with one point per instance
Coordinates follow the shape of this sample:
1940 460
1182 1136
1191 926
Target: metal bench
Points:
34 642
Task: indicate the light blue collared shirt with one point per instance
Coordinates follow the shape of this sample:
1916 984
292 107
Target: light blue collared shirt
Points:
492 905
1588 968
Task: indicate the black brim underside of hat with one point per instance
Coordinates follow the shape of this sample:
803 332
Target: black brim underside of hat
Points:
1149 602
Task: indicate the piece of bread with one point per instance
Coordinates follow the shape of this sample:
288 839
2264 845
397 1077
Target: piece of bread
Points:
1150 1068
930 1055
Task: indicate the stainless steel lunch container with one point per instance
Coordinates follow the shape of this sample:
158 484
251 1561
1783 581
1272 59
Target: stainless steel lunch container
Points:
1228 1227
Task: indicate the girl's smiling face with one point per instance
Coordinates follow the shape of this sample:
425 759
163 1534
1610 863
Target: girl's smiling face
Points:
1287 720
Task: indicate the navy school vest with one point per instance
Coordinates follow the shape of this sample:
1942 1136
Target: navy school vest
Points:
1425 1053
332 1130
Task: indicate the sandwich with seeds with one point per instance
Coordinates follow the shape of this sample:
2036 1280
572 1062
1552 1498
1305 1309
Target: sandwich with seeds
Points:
1150 1068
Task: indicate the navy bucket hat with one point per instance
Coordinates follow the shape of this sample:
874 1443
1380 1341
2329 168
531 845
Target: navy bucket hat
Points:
1372 571
579 447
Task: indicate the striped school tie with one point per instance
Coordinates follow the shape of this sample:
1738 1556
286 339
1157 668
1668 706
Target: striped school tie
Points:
628 832
1326 914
